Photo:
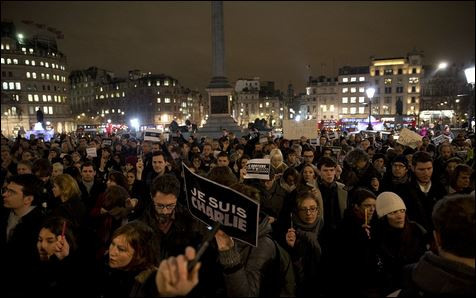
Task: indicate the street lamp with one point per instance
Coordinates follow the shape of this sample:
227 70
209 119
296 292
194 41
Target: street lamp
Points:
370 94
442 65
469 73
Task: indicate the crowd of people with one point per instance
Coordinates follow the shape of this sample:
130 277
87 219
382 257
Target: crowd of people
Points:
107 216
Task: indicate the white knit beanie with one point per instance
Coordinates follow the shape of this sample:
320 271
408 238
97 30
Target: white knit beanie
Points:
388 202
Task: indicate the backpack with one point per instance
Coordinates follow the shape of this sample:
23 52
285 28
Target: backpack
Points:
284 272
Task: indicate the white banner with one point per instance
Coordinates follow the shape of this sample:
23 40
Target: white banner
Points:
258 169
152 135
294 130
409 138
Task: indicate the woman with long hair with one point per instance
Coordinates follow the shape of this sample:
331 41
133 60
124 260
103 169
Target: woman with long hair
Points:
71 207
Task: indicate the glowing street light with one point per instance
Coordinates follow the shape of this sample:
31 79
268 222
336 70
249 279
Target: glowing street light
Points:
469 73
370 94
135 123
442 65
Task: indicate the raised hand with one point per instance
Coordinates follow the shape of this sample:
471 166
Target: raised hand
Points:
61 247
173 279
291 237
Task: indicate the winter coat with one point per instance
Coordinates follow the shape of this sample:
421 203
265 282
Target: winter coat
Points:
19 254
356 255
306 255
246 268
132 283
434 276
397 248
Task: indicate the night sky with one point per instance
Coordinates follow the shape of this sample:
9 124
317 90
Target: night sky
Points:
272 40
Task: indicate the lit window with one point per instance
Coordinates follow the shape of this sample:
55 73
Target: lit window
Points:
2 46
28 75
345 80
49 98
361 79
353 79
47 76
331 108
47 64
166 83
344 110
33 75
44 98
11 85
33 63
157 83
345 99
15 61
9 61
18 86
149 83
7 46
158 99
42 76
361 110
267 104
27 62
123 94
413 80
5 86
361 89
260 105
50 108
118 110
30 50
167 100
345 90
361 99
113 111
41 63
36 97
55 98
353 99
3 60
353 110
324 108
30 97
100 89
353 90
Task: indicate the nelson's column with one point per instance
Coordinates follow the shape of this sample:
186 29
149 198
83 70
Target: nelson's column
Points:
219 90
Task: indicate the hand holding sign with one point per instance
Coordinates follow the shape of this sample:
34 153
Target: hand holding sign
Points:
224 241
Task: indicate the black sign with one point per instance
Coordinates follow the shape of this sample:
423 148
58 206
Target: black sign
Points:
211 202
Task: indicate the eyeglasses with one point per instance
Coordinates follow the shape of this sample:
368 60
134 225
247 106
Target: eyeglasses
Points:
162 206
312 209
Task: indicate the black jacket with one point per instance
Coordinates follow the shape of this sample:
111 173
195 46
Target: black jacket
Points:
434 276
20 253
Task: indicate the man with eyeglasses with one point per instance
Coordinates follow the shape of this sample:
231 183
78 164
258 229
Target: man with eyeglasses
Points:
20 222
174 226
308 158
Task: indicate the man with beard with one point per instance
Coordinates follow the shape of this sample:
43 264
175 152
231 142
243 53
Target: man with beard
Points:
174 226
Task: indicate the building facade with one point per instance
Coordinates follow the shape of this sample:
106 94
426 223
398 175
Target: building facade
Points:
255 99
34 77
320 101
445 96
351 96
153 99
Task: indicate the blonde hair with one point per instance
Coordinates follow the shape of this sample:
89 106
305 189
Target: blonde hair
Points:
276 152
68 186
58 165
